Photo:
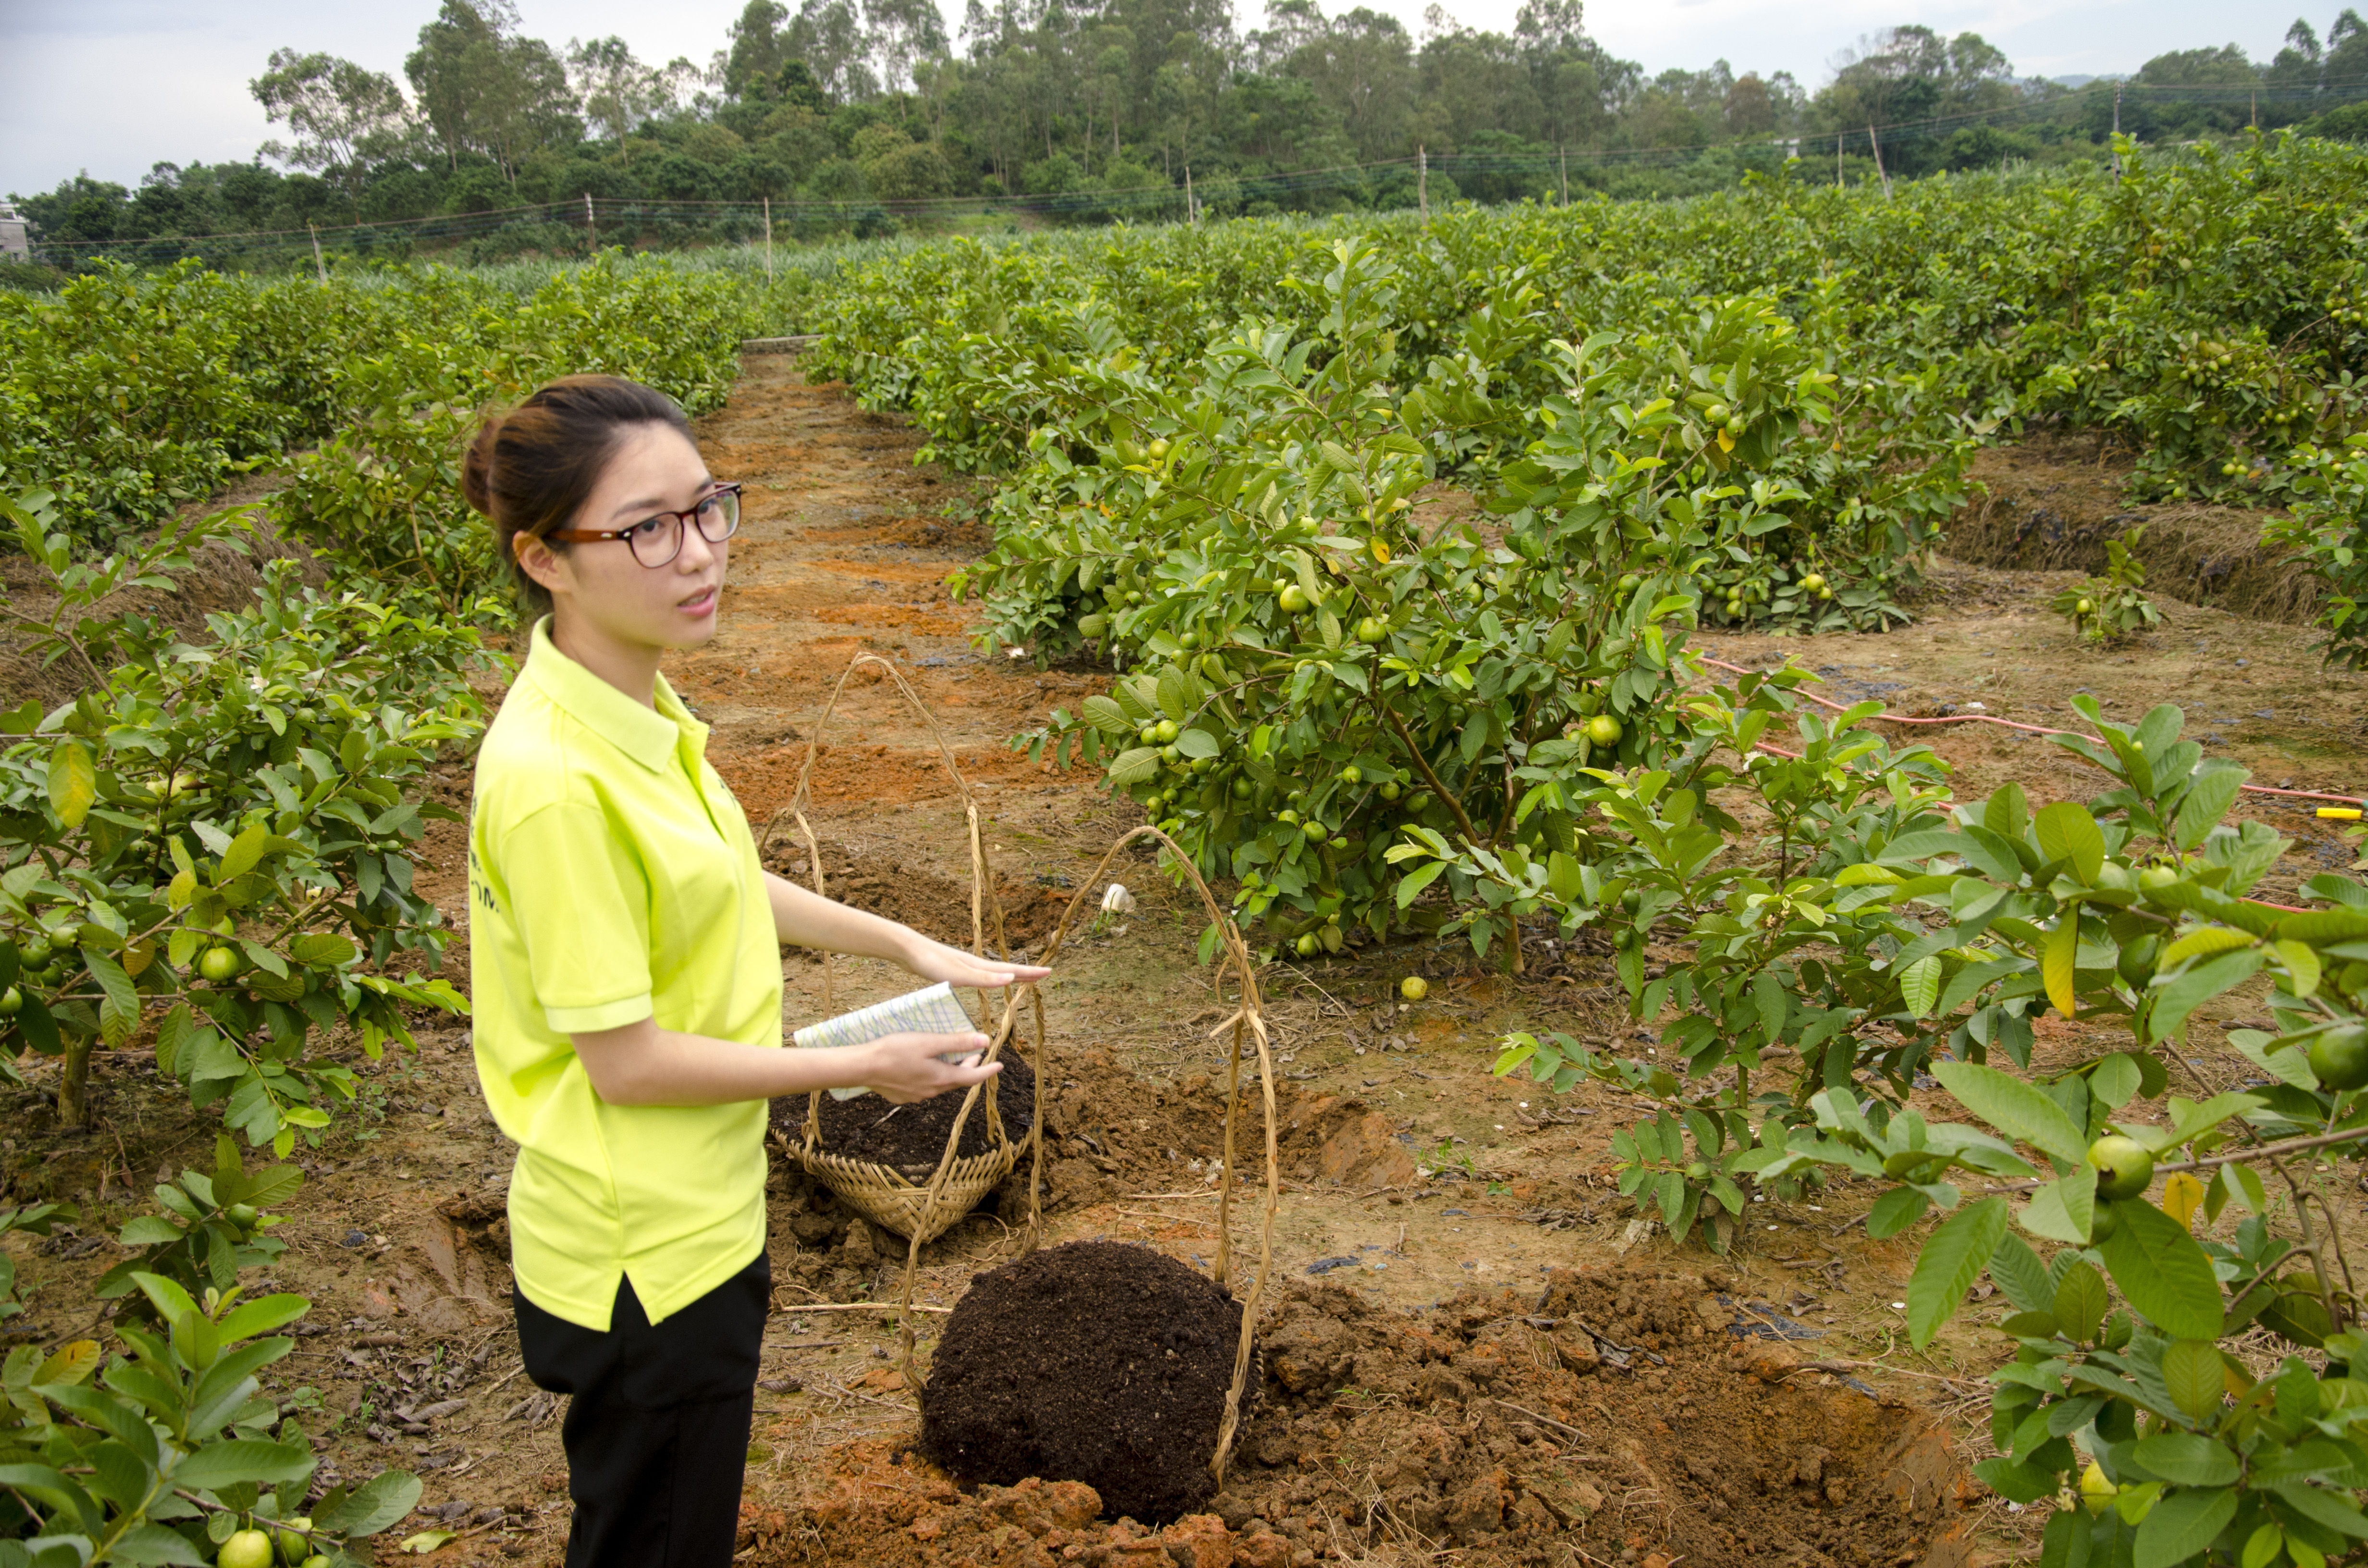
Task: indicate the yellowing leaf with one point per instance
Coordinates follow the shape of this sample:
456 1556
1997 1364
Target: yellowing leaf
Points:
2302 966
2055 965
2181 1196
1725 442
1381 550
74 1363
74 782
2209 940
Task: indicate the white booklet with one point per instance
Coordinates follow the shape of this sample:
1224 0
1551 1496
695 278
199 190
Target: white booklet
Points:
932 1010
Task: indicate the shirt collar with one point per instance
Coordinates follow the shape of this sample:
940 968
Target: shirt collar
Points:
648 738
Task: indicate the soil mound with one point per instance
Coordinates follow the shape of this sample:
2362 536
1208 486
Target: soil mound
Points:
1614 1413
2053 502
911 1138
1108 1133
887 1507
1610 1418
1095 1362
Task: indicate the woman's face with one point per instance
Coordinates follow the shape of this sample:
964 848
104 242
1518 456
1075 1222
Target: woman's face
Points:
600 588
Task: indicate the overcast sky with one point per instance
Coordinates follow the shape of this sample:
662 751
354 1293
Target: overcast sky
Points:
114 87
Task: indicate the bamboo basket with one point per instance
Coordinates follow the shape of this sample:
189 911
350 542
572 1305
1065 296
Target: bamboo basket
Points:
919 1211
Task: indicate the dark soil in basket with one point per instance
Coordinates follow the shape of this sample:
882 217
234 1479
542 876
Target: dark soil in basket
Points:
912 1138
1097 1362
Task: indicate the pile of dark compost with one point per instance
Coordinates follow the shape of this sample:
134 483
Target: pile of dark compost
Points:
1097 1362
911 1138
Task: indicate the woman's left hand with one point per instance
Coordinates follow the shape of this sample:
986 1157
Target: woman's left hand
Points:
935 961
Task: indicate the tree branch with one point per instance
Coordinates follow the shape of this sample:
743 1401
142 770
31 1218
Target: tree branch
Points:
1471 835
2211 1162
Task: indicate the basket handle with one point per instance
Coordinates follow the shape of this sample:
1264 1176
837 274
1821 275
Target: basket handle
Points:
984 898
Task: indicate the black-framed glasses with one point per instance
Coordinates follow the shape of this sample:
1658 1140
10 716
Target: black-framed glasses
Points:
657 540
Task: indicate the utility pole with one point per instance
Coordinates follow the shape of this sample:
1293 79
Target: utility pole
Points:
1192 208
769 242
1877 146
2117 132
319 266
1422 181
591 233
1838 160
1562 157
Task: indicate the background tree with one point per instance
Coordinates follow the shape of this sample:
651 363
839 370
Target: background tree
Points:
346 119
616 93
829 35
485 90
1094 97
1359 64
759 48
904 34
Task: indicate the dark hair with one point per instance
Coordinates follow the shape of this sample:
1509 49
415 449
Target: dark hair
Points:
533 470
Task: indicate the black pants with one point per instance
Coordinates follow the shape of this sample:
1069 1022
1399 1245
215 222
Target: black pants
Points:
657 1428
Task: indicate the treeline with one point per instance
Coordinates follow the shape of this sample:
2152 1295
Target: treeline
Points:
849 107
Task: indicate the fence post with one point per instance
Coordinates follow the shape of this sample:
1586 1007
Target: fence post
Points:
591 232
1422 181
1838 160
319 267
769 242
1562 158
2117 131
1878 161
1191 206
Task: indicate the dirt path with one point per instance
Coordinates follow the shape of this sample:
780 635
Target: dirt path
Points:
1411 1174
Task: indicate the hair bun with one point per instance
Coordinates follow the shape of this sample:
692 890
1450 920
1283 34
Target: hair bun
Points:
477 468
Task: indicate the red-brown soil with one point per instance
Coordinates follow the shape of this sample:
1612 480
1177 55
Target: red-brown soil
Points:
1415 1188
1603 1417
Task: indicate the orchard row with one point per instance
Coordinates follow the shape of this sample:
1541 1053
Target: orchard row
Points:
1218 455
207 840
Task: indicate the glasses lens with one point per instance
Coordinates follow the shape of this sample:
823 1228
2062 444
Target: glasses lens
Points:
658 540
718 517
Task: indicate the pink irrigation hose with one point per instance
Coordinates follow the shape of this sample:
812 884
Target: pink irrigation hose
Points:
2010 725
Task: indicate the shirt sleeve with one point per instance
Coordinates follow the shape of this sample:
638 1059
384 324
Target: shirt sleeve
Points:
581 904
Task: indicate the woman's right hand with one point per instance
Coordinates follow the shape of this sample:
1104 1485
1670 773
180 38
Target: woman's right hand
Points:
905 1067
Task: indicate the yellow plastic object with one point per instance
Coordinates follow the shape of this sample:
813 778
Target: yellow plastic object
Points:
2338 814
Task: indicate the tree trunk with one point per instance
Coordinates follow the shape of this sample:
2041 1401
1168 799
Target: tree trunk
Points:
74 1085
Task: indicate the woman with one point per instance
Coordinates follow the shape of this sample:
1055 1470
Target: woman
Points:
624 950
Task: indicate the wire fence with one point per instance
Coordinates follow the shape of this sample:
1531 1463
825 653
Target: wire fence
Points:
581 224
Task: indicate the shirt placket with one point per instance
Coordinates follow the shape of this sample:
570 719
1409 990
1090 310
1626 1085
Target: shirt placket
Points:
691 755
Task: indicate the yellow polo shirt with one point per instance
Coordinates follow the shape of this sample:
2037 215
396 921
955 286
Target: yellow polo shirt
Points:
613 877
